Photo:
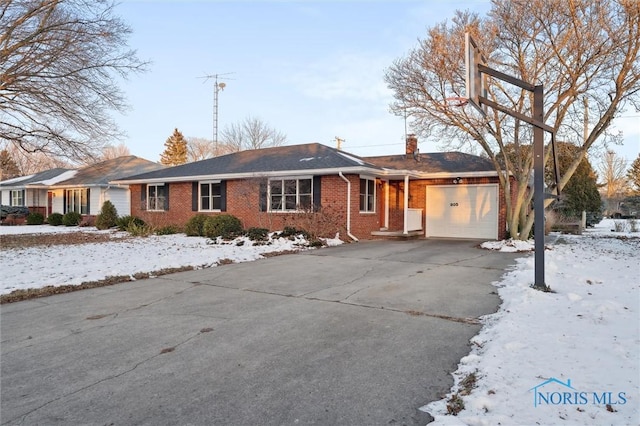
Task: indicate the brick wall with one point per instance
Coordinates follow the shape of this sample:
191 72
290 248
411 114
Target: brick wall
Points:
243 201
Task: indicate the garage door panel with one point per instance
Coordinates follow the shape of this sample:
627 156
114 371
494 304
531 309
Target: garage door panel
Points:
462 211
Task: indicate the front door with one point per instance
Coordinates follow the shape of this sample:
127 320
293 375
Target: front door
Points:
49 203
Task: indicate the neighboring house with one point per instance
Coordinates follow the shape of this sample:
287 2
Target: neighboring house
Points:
33 191
449 194
83 190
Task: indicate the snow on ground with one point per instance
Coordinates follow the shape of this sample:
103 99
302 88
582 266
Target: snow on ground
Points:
543 358
569 357
36 267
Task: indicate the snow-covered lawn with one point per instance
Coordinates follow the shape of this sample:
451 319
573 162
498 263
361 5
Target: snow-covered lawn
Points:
571 357
40 266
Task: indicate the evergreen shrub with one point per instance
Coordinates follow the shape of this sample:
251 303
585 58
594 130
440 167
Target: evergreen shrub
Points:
108 216
35 218
55 219
71 219
225 225
195 226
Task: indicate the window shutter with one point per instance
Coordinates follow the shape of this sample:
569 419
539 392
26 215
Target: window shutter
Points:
263 197
88 201
194 196
24 197
64 201
223 195
143 196
317 204
166 197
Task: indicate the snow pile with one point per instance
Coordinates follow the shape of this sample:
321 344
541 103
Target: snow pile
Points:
509 245
36 267
568 357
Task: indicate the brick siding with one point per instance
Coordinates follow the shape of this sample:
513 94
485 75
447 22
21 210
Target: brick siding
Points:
243 201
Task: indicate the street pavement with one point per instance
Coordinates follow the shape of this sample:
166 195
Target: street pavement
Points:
360 334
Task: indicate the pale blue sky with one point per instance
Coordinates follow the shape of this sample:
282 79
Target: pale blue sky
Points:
311 69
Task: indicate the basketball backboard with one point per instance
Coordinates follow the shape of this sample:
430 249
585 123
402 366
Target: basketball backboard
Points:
474 79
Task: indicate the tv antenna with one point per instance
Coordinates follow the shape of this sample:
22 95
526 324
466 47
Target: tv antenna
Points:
217 87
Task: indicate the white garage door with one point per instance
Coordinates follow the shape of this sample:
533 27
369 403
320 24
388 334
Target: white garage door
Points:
462 211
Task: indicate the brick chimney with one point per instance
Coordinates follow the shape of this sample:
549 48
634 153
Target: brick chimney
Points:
412 144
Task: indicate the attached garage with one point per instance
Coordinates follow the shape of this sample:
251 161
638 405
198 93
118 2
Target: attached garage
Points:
462 211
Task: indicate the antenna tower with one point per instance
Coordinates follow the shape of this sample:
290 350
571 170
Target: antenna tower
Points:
217 87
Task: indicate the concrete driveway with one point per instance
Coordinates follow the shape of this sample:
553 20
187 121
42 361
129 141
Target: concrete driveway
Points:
361 334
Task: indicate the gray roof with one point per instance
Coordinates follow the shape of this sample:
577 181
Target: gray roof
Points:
100 174
306 157
33 179
437 162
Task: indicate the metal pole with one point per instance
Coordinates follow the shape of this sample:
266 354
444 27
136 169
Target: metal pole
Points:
215 115
538 187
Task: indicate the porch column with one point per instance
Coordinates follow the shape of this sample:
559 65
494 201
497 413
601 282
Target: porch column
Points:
386 204
405 230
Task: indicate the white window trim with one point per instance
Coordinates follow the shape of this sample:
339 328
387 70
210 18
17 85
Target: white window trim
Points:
19 197
297 179
375 195
149 198
72 192
200 209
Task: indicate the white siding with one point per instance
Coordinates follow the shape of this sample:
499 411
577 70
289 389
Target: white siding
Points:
95 201
120 199
462 211
36 198
58 201
4 197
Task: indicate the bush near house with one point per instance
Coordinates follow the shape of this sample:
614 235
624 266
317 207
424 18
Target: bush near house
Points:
225 225
167 230
17 211
71 219
125 222
258 234
108 216
195 226
55 219
35 218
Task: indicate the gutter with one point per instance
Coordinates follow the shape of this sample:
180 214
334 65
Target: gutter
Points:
353 237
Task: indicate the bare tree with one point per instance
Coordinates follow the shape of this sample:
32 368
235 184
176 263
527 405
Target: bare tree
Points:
59 66
201 149
584 52
30 163
612 171
252 133
109 152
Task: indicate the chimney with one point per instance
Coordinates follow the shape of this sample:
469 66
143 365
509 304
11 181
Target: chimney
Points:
412 144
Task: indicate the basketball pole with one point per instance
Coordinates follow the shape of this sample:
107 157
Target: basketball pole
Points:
478 99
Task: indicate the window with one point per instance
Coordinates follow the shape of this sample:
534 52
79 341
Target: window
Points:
210 196
16 197
77 200
367 195
156 196
290 194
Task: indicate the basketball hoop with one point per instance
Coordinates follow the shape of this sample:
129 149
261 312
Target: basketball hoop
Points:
456 101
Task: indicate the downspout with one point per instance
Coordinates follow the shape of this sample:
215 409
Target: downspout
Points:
386 204
353 237
406 205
